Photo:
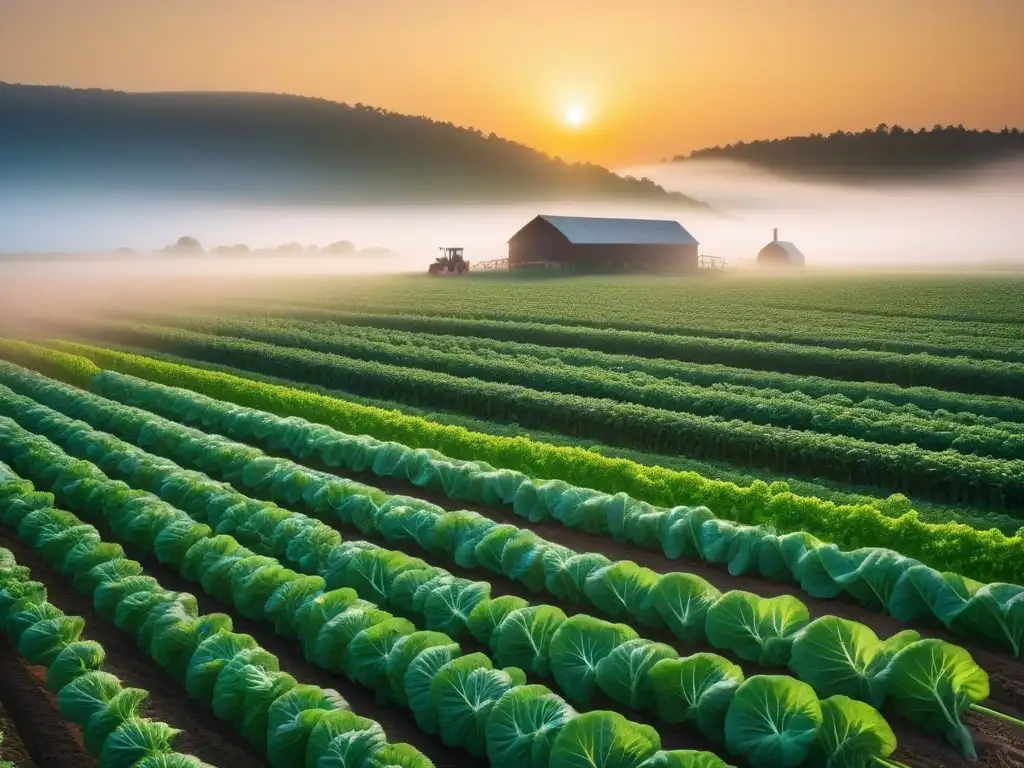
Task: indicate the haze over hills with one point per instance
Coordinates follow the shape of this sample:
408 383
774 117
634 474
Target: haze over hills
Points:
278 148
882 153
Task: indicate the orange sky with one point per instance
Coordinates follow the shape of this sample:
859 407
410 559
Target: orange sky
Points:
656 77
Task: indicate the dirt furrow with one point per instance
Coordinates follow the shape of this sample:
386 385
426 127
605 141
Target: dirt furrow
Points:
1006 674
204 736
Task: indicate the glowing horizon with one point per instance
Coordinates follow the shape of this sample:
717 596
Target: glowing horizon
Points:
602 81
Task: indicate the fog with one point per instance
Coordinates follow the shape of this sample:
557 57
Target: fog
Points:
968 222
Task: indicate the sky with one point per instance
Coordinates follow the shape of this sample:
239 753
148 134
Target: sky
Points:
645 79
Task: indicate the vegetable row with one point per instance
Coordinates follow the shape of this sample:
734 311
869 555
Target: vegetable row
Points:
877 578
463 697
727 401
985 555
290 723
942 476
993 377
108 714
922 400
837 657
758 323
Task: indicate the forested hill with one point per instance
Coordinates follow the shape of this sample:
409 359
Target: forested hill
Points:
884 152
277 147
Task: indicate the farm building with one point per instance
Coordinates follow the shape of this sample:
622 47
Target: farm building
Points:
780 253
587 244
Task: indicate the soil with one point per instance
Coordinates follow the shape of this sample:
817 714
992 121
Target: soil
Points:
397 722
998 744
34 730
203 736
1006 674
13 749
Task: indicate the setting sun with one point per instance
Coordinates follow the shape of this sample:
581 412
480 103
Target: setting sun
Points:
575 116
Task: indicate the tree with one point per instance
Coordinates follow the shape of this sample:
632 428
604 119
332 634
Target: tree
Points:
185 244
342 247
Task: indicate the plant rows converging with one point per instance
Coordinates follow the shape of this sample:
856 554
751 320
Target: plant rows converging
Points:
107 713
532 635
604 522
983 555
945 475
880 579
627 379
471 704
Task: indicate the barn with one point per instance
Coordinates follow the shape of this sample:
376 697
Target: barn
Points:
780 253
586 244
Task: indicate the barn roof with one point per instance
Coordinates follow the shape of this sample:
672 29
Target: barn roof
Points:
584 230
791 250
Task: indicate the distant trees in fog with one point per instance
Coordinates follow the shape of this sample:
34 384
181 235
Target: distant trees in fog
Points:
185 244
342 247
881 151
190 245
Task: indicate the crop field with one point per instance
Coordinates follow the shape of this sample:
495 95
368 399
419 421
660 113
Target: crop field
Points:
550 523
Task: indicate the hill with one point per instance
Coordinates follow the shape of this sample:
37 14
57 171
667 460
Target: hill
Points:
278 148
884 152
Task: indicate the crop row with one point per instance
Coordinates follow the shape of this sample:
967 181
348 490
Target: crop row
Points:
745 624
893 505
692 608
922 401
943 476
466 700
986 555
880 579
769 407
874 399
756 322
108 714
960 374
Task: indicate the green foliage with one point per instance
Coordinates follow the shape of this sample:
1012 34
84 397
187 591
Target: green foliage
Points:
933 683
772 720
523 726
603 740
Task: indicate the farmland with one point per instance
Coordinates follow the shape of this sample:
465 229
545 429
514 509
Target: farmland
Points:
583 523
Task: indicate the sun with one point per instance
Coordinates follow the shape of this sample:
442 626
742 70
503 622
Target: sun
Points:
575 116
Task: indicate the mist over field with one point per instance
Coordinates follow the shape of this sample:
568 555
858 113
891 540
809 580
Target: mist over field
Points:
969 221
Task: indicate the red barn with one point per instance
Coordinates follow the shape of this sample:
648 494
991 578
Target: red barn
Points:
585 244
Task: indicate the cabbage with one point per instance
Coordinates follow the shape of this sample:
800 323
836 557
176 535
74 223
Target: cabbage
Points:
448 606
852 735
73 661
621 590
696 689
623 673
43 642
403 652
566 572
523 638
603 740
462 694
365 658
745 623
337 633
523 726
123 707
133 740
346 730
932 683
291 719
418 680
682 601
86 695
772 720
576 648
